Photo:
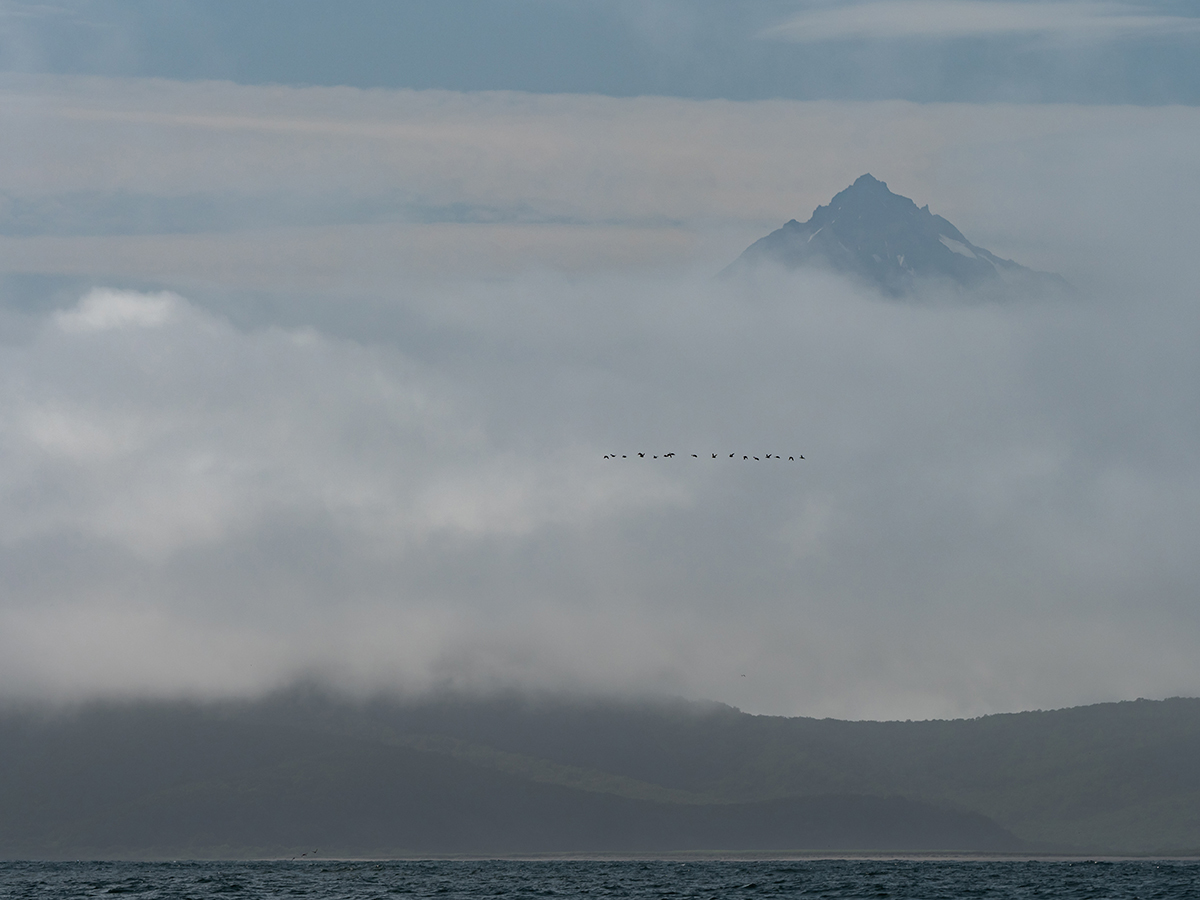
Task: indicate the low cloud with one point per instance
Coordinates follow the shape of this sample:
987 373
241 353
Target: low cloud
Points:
989 515
372 451
947 19
104 310
261 188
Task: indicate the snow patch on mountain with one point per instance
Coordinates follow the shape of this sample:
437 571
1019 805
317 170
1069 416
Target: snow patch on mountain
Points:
957 246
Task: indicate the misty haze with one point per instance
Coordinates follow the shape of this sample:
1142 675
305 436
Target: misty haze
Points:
323 400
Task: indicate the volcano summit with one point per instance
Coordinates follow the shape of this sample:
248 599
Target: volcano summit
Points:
870 233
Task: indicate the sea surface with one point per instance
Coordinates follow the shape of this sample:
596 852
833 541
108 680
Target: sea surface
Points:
718 880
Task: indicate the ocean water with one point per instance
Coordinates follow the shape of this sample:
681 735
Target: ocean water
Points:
708 879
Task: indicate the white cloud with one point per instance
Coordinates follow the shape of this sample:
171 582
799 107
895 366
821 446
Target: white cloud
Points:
140 420
102 310
938 19
373 450
988 516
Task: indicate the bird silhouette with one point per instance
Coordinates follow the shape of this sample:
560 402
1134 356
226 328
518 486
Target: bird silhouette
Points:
672 455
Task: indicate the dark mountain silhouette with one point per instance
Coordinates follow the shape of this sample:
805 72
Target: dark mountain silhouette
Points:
516 774
183 780
870 233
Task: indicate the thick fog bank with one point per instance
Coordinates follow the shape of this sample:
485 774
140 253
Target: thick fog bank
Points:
317 383
994 511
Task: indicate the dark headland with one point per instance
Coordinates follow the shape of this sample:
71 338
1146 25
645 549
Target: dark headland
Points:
885 240
306 770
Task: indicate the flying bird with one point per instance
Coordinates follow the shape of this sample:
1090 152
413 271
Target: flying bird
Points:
713 455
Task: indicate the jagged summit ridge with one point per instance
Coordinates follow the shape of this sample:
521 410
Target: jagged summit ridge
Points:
885 238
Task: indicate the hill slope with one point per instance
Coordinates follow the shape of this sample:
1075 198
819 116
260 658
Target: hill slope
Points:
1119 776
513 774
155 780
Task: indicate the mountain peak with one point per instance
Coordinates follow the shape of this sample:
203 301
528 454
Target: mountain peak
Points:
866 181
884 238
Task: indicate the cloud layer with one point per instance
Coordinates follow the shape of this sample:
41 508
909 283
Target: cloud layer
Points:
993 511
942 19
333 188
372 452
986 51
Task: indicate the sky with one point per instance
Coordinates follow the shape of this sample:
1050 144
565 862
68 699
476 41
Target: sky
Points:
316 323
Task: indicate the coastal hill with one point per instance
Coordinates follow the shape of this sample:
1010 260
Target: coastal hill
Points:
306 770
884 239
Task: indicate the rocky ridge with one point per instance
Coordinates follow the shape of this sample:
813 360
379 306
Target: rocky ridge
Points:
883 238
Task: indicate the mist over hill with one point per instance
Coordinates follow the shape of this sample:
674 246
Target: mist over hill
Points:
304 770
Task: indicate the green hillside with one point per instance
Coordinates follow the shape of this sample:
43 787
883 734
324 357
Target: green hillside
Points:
517 774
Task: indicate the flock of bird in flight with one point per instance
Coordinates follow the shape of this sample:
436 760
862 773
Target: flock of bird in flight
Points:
696 456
